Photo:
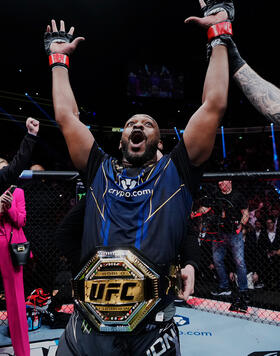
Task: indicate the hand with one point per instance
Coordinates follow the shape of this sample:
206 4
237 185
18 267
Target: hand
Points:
60 42
239 228
6 200
32 126
187 275
210 20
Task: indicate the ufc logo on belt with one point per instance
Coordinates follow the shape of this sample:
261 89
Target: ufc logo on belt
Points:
114 291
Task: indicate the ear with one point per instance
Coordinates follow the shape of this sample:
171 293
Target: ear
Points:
160 145
120 145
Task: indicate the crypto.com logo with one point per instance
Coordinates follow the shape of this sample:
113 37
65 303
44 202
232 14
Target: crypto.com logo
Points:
181 320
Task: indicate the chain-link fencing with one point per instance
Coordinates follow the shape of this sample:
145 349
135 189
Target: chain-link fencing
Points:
47 202
235 219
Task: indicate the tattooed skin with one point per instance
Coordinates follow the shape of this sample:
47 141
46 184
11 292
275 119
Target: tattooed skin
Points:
263 95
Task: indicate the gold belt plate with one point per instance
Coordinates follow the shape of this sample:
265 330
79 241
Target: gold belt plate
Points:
111 290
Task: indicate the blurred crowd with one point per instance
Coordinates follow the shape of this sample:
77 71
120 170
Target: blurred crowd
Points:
260 234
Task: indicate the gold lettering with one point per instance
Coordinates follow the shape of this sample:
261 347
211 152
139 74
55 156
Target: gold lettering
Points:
113 274
114 291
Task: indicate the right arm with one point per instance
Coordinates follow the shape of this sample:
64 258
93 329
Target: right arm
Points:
78 138
263 95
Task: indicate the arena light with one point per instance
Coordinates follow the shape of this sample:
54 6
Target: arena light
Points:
40 108
223 142
177 133
11 117
275 155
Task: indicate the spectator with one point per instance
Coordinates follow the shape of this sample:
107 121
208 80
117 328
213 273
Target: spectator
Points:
37 167
232 213
12 219
269 243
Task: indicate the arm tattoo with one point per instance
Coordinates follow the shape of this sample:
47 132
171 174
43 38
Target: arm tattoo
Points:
264 96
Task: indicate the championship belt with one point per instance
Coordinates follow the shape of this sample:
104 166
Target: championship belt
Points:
118 288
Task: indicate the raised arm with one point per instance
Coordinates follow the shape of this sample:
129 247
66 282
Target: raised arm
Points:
59 46
200 132
263 95
22 159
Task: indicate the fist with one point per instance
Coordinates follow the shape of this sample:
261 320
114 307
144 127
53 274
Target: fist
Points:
32 126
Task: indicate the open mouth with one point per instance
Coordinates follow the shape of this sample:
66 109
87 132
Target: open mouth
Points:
137 136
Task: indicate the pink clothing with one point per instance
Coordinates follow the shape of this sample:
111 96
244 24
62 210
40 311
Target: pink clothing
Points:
2 230
14 219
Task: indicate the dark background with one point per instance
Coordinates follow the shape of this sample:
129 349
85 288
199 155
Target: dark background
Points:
118 34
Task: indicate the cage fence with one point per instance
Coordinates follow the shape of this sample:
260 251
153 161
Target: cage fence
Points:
235 219
235 257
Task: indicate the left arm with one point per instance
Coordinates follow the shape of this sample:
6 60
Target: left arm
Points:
245 216
200 132
244 219
190 258
22 159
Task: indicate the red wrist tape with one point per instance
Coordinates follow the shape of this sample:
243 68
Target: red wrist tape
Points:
222 28
59 59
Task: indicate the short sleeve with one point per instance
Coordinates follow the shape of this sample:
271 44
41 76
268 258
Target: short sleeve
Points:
190 174
96 156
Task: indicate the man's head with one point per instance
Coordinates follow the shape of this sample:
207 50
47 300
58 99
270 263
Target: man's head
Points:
140 140
37 167
270 223
275 212
225 186
258 214
258 225
3 163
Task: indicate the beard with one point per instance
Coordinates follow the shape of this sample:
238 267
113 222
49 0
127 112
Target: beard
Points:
140 160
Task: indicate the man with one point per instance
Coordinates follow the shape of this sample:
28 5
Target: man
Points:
232 214
9 172
142 202
269 251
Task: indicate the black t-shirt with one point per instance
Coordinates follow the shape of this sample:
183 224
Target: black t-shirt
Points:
228 209
190 174
105 176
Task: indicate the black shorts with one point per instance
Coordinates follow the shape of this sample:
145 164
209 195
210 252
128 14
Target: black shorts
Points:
81 340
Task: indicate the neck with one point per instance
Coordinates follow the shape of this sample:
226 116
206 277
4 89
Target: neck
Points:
128 164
